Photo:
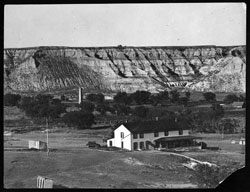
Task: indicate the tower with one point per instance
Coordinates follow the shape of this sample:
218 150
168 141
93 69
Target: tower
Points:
80 95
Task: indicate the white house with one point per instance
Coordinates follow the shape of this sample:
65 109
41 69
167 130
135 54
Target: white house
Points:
165 133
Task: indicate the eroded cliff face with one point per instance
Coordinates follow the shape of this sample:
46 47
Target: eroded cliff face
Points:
207 68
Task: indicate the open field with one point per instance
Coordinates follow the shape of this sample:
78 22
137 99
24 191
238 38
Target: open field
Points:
71 164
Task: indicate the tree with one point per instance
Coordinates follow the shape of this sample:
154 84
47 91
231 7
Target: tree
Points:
217 114
121 109
183 101
228 125
42 106
155 99
104 107
141 97
122 97
174 96
63 98
242 98
140 111
97 98
164 95
231 98
79 119
187 94
11 99
87 106
209 96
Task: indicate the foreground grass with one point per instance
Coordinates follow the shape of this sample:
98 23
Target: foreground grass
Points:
74 165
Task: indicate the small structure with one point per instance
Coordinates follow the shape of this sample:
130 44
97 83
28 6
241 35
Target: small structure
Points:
242 141
40 145
164 133
233 141
7 133
237 104
43 182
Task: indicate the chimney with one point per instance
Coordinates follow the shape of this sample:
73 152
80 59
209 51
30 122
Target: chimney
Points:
80 95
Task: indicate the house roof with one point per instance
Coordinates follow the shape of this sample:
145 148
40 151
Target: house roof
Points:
178 138
156 126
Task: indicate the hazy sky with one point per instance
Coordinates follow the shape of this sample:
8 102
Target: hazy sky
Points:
126 24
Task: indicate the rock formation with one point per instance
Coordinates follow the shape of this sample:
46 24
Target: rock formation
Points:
203 68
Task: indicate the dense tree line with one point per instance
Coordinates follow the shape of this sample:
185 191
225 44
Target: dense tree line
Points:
11 99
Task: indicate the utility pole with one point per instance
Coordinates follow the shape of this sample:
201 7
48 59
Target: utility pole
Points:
222 134
47 125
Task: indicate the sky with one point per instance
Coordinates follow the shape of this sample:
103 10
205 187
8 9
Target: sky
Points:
93 25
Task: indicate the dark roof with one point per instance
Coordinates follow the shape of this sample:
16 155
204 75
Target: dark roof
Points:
156 126
178 138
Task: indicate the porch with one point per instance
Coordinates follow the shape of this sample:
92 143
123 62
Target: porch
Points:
173 142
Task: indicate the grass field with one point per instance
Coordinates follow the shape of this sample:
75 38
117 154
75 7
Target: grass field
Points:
71 164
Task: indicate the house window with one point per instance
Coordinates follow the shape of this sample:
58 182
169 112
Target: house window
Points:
156 134
180 132
165 133
141 135
135 136
122 135
141 145
135 145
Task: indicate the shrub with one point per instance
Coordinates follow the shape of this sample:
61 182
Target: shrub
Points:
210 177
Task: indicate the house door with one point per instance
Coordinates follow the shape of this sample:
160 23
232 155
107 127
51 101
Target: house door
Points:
142 145
135 145
110 143
122 145
147 146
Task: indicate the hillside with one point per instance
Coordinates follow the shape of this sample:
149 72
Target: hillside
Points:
203 68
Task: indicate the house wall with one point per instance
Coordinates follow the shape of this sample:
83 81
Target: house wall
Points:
117 140
151 137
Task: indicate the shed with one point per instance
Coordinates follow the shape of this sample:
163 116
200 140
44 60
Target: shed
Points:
37 145
242 141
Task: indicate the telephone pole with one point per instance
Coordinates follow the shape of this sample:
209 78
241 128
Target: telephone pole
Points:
47 125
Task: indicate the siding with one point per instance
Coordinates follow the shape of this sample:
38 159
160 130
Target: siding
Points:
126 140
151 137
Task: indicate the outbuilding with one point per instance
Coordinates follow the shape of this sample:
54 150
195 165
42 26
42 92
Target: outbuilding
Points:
37 145
242 141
